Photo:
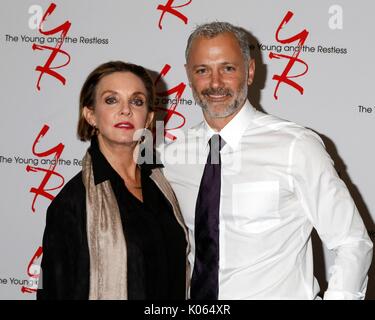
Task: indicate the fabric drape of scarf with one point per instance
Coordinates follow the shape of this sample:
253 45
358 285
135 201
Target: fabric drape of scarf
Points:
106 240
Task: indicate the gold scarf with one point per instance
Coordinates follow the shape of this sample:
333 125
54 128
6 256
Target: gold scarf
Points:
106 240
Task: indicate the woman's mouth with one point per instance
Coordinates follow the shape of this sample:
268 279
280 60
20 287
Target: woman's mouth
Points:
124 125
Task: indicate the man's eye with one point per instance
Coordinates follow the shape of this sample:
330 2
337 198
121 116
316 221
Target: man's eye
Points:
200 71
229 68
137 102
110 100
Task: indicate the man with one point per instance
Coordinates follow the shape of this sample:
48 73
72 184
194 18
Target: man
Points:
272 183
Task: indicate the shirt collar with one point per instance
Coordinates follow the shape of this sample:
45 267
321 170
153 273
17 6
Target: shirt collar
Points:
101 168
234 129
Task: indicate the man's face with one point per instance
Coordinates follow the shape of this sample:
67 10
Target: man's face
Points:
218 75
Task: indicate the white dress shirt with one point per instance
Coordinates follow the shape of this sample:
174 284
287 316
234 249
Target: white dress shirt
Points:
278 182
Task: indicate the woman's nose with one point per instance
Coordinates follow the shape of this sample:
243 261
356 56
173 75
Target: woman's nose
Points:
125 108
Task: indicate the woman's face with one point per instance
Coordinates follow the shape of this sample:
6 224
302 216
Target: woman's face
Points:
120 108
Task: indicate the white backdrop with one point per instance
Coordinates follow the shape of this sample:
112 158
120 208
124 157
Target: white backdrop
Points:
335 97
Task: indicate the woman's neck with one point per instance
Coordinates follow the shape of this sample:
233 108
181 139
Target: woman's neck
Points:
121 158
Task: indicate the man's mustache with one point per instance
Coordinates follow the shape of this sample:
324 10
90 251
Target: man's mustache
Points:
217 91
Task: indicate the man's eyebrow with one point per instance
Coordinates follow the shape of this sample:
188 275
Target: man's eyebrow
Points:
221 63
199 65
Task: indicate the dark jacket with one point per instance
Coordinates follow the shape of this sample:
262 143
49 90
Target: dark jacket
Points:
65 263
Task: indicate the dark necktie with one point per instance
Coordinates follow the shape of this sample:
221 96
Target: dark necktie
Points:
205 278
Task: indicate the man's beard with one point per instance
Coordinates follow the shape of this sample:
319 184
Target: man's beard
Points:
230 109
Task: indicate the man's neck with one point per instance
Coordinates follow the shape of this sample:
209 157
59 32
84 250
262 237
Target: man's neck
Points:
218 124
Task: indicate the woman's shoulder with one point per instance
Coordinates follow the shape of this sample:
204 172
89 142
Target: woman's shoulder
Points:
71 197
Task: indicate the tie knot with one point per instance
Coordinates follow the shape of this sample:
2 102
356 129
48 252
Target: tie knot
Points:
216 143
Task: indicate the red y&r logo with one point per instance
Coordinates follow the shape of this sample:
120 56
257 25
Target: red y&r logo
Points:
33 271
47 68
171 111
172 10
56 152
285 77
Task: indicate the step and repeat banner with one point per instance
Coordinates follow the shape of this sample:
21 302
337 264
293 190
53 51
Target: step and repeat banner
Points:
314 66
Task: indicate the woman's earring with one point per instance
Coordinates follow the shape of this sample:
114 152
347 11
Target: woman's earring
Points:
143 136
95 129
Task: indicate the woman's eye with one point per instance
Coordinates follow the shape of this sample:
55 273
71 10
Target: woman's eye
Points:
137 102
110 100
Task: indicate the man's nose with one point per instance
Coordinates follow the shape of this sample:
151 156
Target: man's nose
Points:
216 79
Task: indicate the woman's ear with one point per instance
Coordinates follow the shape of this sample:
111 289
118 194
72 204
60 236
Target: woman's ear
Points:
150 119
89 115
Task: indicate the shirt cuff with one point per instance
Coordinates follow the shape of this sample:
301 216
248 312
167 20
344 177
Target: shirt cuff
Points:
343 295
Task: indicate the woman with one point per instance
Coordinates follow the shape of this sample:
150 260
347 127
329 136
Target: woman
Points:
115 230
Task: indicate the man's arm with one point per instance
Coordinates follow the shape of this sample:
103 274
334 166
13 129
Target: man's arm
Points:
331 209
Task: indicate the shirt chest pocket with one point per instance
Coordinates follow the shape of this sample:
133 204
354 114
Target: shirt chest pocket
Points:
256 205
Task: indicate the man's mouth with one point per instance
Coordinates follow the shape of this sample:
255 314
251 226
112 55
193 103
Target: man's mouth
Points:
217 94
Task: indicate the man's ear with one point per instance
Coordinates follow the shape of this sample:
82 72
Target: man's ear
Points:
251 72
187 73
89 115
